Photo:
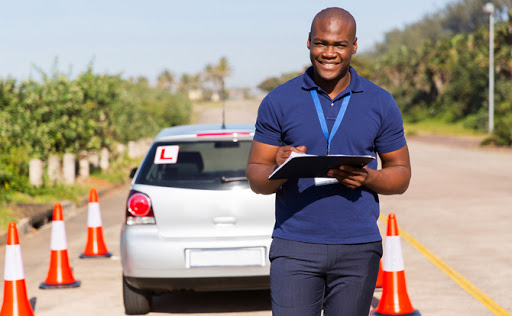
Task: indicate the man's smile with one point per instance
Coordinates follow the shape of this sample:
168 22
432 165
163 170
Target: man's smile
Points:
328 65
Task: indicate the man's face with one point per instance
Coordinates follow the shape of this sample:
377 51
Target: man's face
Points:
331 44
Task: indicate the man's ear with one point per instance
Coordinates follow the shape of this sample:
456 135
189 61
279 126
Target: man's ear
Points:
354 47
309 40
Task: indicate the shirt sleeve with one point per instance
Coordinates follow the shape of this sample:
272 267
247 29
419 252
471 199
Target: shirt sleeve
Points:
268 129
391 134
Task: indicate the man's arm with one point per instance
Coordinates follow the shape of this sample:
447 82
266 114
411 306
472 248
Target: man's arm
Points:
263 159
392 178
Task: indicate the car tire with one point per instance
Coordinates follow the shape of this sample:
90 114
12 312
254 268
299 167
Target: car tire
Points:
136 302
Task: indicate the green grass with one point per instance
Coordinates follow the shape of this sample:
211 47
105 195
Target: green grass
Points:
6 216
436 127
45 195
51 194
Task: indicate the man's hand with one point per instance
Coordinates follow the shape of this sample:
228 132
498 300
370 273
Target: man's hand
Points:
392 178
263 160
349 176
284 153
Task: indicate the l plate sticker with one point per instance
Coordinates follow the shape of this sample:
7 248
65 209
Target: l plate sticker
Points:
166 154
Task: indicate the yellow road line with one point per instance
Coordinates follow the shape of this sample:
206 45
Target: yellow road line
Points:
459 279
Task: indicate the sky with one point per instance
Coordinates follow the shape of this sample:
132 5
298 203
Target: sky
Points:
260 39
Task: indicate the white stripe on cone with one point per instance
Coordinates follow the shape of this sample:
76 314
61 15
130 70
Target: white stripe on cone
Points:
58 236
93 215
392 260
13 270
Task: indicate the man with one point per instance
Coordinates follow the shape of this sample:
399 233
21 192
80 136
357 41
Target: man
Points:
326 243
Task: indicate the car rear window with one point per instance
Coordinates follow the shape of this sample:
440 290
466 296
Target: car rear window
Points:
210 165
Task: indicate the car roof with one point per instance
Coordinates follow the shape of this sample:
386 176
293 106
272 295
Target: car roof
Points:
212 130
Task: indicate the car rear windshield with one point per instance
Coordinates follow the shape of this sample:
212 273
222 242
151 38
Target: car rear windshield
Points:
209 165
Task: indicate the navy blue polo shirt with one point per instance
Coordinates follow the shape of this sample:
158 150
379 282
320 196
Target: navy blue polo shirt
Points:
329 214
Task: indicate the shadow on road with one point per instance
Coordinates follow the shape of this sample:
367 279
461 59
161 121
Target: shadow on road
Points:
219 302
212 302
375 302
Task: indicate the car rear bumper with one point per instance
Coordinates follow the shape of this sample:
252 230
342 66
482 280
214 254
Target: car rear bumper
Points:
157 285
151 261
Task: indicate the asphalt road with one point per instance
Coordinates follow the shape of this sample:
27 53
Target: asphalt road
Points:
459 210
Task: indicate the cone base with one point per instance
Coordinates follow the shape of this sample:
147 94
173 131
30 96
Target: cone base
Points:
46 286
105 255
415 313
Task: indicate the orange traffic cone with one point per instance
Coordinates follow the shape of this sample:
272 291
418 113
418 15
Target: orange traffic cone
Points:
15 290
394 299
59 273
378 285
95 246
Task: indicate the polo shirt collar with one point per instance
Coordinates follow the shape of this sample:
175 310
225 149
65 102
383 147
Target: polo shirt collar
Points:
354 85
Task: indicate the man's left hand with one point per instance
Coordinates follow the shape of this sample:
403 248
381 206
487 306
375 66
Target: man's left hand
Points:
350 177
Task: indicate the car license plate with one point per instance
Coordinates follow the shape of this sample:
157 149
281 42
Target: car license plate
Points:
232 257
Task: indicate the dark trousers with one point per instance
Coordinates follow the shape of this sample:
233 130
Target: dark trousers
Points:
305 277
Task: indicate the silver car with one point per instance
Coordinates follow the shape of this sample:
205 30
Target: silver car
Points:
192 222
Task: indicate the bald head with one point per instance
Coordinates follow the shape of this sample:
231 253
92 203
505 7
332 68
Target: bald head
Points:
331 43
334 16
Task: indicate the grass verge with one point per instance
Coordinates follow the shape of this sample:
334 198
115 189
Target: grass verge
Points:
117 174
436 127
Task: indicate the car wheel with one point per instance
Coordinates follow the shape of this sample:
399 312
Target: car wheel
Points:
136 302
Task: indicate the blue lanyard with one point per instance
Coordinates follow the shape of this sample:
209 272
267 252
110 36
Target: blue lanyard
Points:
321 117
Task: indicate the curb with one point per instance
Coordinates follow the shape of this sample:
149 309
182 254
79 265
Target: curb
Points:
41 214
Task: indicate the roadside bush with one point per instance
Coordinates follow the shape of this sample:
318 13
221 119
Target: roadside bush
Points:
142 111
13 171
447 80
56 115
478 121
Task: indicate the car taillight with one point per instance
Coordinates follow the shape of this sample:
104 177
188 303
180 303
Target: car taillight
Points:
139 209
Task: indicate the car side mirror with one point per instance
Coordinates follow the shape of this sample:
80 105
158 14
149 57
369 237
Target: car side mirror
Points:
132 172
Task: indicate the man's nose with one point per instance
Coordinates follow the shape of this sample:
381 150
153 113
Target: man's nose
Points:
329 51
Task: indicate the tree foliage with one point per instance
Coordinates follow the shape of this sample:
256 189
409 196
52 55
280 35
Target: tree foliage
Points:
217 75
271 83
57 115
438 68
459 17
142 111
165 80
448 79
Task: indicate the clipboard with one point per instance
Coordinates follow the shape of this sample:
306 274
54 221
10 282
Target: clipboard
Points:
311 166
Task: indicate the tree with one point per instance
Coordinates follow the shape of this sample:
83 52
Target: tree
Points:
271 83
189 82
460 17
217 74
165 80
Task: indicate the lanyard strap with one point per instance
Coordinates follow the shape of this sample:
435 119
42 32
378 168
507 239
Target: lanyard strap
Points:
321 117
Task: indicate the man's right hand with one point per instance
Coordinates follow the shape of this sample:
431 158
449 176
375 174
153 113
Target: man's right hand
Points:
263 159
284 153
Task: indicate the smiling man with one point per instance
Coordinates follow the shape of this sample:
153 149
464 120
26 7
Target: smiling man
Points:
326 243
331 46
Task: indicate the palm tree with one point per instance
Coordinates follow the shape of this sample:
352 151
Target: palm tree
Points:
189 82
165 80
217 74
